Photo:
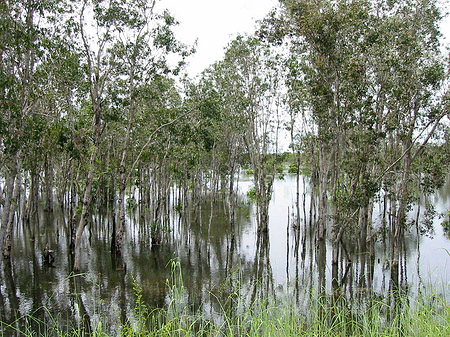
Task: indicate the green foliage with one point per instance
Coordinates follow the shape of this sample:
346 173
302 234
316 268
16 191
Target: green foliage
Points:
345 76
446 224
131 203
251 194
292 168
140 309
179 207
433 167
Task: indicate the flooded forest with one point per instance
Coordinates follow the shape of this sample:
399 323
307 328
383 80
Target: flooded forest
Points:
307 168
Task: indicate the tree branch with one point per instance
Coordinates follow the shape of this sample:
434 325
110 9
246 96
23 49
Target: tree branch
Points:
150 139
436 123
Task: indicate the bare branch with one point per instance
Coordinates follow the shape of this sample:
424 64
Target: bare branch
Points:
150 139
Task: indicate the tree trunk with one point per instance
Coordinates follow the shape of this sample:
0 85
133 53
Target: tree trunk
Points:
8 226
123 179
84 219
231 202
9 187
121 223
400 220
31 209
323 198
87 194
48 171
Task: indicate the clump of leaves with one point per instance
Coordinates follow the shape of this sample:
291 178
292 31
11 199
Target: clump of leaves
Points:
249 172
446 223
179 207
251 194
131 203
292 168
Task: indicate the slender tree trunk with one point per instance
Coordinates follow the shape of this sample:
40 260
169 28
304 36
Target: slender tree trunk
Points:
297 188
123 178
400 220
30 215
84 219
73 214
8 230
232 201
9 187
87 193
363 225
323 189
48 171
96 87
113 217
121 223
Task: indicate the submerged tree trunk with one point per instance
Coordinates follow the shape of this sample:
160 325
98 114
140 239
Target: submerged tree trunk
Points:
400 220
123 177
323 197
84 218
31 209
48 171
232 201
97 82
87 193
121 223
13 183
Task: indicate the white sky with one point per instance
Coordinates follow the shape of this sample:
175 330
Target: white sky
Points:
215 22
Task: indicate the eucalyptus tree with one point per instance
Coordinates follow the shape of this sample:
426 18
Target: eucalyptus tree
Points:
310 25
96 23
298 125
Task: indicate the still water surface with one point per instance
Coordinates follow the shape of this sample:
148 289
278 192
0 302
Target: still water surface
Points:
285 261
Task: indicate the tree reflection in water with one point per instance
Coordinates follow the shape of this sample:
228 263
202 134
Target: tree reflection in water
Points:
218 262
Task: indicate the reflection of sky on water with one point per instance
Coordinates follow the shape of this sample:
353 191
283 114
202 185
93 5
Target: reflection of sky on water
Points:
434 264
202 245
435 251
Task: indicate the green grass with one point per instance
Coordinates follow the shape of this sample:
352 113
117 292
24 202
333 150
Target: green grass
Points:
428 316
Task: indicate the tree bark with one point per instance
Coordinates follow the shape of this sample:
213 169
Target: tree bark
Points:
323 197
400 220
84 219
48 171
8 220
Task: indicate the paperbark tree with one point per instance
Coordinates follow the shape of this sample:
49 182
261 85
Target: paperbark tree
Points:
139 60
254 73
95 51
22 49
358 55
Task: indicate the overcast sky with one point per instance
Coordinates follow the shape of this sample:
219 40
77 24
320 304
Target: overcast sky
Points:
215 22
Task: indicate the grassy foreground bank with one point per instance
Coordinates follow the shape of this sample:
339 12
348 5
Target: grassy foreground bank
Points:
259 320
429 315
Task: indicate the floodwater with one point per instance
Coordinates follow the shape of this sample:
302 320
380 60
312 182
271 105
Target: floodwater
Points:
285 260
